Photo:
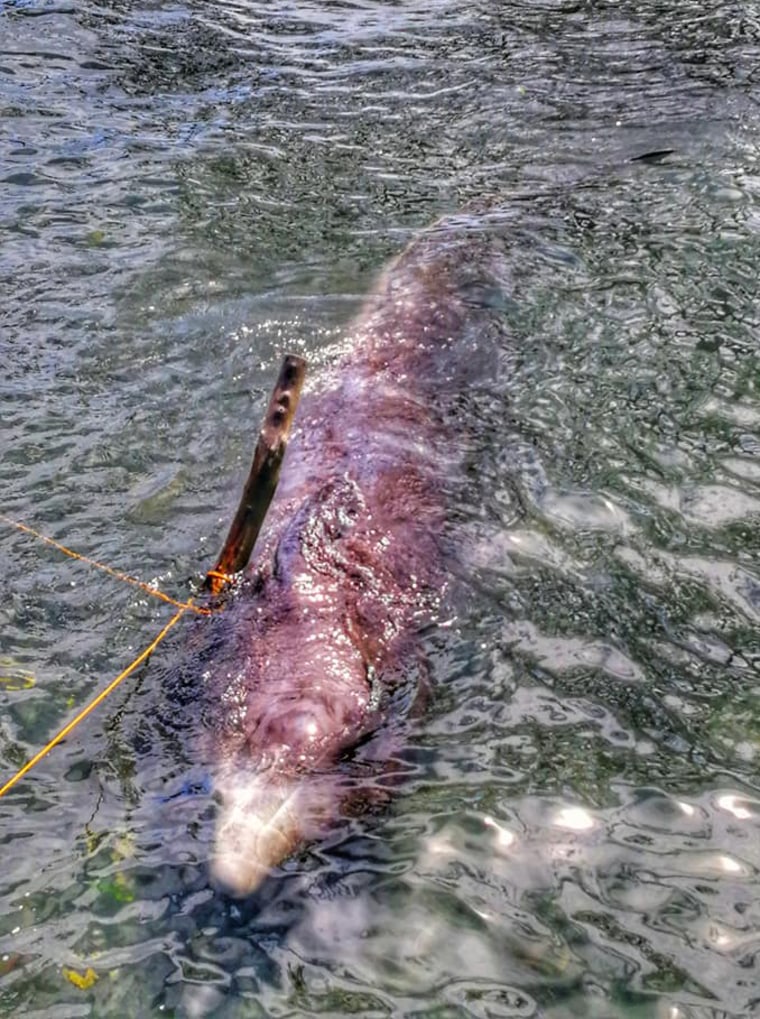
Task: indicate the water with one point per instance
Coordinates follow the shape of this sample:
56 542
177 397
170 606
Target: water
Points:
186 190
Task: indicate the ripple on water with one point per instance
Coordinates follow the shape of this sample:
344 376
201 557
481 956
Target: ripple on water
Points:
188 187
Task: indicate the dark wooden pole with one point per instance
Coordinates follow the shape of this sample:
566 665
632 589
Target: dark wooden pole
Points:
263 477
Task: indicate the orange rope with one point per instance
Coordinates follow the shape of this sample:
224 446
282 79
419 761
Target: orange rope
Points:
106 569
97 700
219 581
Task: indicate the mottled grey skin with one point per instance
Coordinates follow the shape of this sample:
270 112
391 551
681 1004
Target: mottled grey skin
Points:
349 566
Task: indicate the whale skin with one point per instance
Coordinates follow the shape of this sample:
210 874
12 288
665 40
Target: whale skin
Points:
351 566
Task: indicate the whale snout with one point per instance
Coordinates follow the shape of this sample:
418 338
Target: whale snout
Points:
262 819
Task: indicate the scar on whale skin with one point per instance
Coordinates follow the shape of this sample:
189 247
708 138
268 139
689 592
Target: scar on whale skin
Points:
350 567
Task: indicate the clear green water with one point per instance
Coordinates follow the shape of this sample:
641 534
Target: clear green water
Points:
187 189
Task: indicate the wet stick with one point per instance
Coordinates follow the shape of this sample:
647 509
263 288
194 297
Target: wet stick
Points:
262 479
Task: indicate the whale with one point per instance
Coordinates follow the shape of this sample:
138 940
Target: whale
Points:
322 661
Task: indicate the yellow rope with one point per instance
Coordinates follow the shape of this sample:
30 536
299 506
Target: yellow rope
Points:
188 606
219 581
106 569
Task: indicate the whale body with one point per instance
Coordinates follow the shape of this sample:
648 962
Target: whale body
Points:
350 567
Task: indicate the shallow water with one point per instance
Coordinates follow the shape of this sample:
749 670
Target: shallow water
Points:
187 190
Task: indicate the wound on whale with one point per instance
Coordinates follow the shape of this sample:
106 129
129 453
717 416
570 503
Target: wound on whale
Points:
304 697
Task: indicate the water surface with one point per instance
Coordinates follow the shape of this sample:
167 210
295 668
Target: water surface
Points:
185 191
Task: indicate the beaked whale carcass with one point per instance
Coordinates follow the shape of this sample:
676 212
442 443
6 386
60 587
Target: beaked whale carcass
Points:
351 564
